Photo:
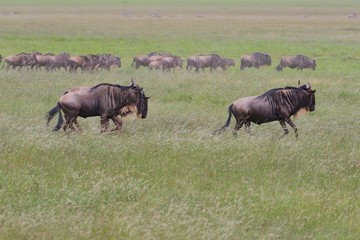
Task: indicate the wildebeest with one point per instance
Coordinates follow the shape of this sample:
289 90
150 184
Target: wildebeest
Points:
155 65
20 60
225 63
191 62
104 100
107 61
169 62
58 61
207 61
298 62
76 62
256 60
41 60
277 104
142 60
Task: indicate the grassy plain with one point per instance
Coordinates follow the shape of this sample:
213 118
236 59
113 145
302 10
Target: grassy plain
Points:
166 177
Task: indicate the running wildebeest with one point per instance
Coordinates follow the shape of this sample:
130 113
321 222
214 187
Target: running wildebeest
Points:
298 62
255 60
76 62
169 62
104 100
277 104
225 63
207 61
20 60
143 60
155 65
58 61
41 60
191 62
106 61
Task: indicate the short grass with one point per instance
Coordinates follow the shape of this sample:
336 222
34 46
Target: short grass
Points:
167 177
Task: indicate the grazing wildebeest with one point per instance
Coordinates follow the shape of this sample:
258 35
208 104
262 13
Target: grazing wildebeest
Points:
298 62
104 100
278 104
58 61
256 60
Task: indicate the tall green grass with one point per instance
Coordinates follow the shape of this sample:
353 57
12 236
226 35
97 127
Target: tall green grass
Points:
167 176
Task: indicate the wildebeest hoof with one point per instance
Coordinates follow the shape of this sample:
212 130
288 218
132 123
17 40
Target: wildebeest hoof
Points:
115 129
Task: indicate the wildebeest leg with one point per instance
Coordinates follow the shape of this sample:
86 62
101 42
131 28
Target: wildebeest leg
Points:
118 123
283 125
77 124
104 121
247 127
288 120
238 125
74 121
69 123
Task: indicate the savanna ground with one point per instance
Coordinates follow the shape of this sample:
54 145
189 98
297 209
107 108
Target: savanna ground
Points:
167 177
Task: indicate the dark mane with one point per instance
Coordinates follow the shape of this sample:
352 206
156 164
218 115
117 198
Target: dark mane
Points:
272 92
109 84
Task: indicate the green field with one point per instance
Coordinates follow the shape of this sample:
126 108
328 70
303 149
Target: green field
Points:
167 176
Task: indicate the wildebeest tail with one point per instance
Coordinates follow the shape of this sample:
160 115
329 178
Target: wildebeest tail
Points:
60 119
227 121
51 114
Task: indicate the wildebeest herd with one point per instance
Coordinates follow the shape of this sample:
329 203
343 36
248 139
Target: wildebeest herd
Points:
153 61
52 62
109 101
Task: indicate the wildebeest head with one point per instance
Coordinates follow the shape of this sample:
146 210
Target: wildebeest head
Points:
313 66
142 105
117 61
311 92
268 59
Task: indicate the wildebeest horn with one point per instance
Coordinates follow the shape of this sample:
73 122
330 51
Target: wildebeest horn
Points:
299 83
